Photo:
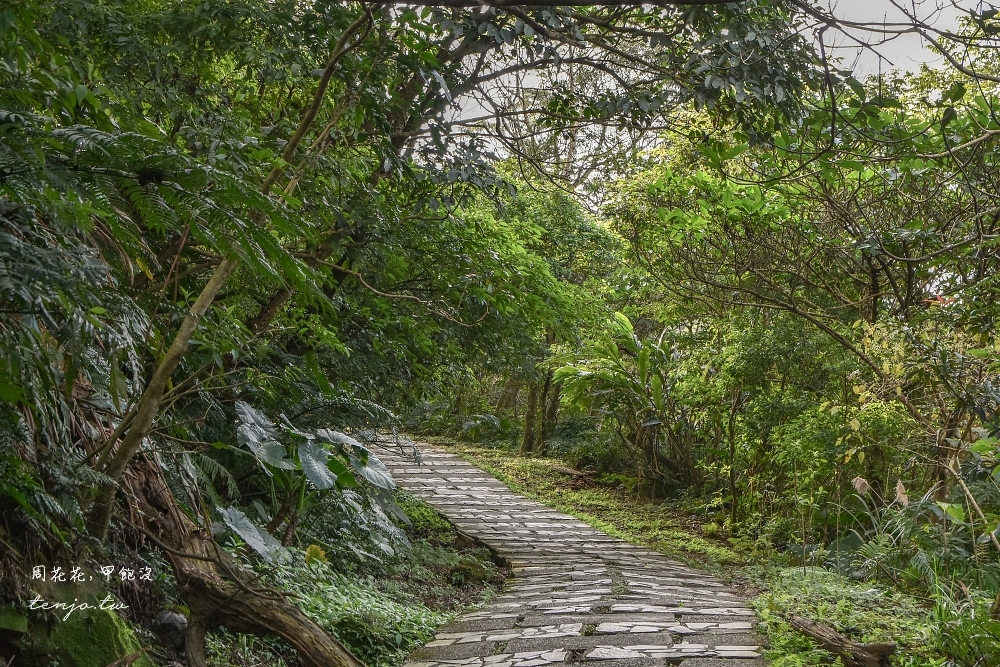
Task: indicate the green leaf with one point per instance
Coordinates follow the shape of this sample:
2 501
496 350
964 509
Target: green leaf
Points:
955 92
858 88
337 437
257 433
985 445
313 459
256 537
117 384
658 396
954 511
373 470
10 392
345 478
314 554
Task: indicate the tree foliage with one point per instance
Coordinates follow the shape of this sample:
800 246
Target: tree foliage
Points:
238 238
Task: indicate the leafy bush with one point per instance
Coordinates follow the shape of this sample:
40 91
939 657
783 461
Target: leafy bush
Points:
381 606
378 627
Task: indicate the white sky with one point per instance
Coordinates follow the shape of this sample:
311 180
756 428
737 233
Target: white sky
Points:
905 52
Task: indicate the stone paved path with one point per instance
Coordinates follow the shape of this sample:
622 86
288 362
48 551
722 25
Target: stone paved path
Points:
577 594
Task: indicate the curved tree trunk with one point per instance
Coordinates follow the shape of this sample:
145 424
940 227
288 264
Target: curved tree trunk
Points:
212 586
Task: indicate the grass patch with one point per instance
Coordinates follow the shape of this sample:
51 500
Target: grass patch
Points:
858 610
659 526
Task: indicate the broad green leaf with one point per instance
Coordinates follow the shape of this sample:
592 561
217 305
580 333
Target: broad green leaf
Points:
656 385
256 537
337 437
314 459
642 362
373 470
954 511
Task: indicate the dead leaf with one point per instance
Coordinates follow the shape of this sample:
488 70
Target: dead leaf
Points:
901 496
861 485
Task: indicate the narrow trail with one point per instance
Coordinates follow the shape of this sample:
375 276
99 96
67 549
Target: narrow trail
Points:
577 594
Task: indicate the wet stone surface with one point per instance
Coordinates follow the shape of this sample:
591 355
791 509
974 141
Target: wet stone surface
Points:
577 595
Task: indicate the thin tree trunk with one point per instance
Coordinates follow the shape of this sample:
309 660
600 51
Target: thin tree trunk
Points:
280 515
508 396
528 438
289 536
552 412
149 402
946 454
152 396
540 430
270 309
733 411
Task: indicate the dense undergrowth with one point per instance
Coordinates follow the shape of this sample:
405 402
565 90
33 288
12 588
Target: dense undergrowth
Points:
381 608
239 238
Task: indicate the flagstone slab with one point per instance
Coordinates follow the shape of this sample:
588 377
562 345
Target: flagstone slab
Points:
576 595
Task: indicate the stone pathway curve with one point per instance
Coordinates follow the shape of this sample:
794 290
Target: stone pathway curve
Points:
577 594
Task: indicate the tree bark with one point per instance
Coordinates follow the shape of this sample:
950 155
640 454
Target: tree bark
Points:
528 439
508 396
734 408
552 411
549 411
213 588
540 429
267 313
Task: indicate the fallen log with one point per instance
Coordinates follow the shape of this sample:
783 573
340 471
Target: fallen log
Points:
571 472
850 652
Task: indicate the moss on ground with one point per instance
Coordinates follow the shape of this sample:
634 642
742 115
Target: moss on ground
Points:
93 638
660 526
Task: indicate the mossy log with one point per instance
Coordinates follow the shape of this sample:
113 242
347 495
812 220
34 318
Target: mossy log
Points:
850 652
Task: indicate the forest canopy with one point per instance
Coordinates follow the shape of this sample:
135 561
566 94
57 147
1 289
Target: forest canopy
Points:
677 245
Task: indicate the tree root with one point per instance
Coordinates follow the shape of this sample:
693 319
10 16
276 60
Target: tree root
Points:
212 586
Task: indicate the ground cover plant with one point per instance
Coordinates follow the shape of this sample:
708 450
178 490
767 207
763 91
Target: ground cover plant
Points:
680 247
